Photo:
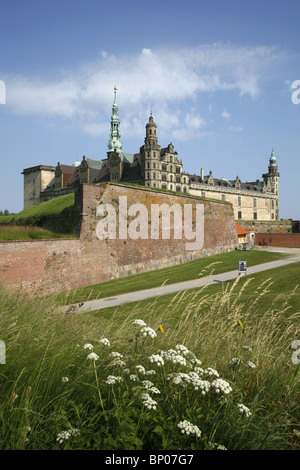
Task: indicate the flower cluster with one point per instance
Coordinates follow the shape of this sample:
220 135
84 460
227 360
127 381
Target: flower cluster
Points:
88 346
139 322
173 356
209 371
93 357
156 359
244 410
189 428
147 331
141 369
65 435
148 402
112 379
221 385
105 341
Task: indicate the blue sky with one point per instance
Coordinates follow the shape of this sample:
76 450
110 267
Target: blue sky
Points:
217 75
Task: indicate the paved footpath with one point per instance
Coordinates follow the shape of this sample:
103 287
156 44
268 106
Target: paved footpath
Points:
120 299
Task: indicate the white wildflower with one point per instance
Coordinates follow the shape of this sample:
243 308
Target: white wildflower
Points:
126 371
154 390
150 372
134 378
149 402
194 360
173 356
235 360
105 341
244 409
296 432
209 371
215 445
65 435
147 331
182 349
221 386
141 369
199 370
147 383
88 346
139 322
65 379
251 365
189 428
247 348
93 356
156 359
116 355
112 379
119 363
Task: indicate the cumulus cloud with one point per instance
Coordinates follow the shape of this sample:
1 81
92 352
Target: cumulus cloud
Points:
160 79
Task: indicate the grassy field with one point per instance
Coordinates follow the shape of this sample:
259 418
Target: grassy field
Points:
192 270
213 369
20 232
50 219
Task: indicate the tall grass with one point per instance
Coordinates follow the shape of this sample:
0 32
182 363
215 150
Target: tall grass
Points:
56 393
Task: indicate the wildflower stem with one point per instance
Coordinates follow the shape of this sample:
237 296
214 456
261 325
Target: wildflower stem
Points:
97 382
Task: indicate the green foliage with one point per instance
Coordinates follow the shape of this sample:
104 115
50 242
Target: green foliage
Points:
54 397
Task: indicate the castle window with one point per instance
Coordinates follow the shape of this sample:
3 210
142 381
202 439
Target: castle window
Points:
184 189
178 169
154 176
163 177
239 201
148 165
184 180
272 203
255 215
154 154
239 214
177 178
164 168
150 131
178 189
254 202
171 159
163 186
148 176
203 193
171 169
154 165
223 197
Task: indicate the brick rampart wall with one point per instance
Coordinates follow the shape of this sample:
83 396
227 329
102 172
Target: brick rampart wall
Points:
291 240
48 266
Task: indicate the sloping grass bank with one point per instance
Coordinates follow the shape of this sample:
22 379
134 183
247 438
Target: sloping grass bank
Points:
184 272
206 369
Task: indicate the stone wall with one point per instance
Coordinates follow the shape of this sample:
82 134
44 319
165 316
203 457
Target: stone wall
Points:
48 266
291 240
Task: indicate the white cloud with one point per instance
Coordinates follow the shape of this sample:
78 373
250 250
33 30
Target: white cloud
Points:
226 114
165 80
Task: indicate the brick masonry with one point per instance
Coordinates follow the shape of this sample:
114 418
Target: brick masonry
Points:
48 266
288 240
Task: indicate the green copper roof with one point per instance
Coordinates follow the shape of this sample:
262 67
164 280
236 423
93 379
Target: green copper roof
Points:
114 142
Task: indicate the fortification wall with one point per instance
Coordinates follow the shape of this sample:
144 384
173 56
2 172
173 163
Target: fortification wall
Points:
291 240
48 266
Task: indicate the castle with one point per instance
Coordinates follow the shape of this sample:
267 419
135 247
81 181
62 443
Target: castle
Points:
155 167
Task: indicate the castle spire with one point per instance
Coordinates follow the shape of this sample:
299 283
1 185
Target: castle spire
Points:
114 142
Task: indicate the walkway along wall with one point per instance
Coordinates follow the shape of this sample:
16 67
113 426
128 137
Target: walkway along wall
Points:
48 266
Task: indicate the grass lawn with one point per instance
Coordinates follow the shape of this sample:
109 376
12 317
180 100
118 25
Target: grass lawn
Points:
21 232
279 286
184 272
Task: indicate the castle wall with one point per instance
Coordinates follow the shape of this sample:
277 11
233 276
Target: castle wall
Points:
291 240
247 203
48 266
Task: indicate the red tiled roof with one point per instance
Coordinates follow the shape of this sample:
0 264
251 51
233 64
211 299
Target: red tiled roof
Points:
240 230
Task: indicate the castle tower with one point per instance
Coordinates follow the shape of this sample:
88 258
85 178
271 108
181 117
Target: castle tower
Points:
150 156
271 185
114 143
